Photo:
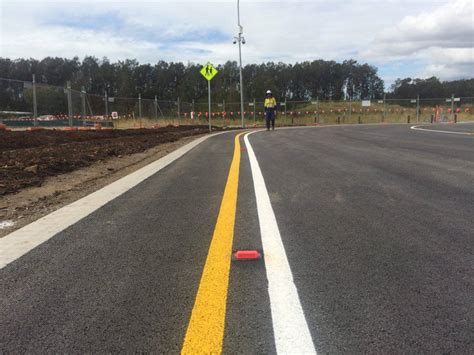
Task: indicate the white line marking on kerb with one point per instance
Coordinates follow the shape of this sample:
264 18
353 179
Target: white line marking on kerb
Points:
291 331
418 128
21 241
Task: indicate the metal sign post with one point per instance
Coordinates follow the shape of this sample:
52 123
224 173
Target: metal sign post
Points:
208 72
209 98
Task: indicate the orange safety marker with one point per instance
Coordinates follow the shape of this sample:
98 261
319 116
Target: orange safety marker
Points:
246 255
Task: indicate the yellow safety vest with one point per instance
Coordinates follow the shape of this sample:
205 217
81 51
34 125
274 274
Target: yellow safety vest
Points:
270 102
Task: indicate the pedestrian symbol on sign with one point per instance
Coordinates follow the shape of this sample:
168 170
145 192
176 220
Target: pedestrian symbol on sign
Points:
208 71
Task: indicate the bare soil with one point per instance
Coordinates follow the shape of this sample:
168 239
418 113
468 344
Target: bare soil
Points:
71 165
28 158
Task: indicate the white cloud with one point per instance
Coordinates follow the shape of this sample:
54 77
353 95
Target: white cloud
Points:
380 32
441 37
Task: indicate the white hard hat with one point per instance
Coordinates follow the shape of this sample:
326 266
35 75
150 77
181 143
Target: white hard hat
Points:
269 92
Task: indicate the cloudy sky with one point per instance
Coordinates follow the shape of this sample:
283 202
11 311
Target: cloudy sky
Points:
416 38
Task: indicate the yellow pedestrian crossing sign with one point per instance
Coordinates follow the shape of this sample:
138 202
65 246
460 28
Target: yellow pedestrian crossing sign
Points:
208 71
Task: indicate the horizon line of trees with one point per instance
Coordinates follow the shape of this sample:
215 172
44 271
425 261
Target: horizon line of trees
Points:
170 80
431 88
308 80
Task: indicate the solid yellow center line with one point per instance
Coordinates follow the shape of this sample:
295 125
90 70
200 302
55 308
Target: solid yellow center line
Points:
205 331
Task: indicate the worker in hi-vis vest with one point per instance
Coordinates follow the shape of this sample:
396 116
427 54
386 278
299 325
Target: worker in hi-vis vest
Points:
270 109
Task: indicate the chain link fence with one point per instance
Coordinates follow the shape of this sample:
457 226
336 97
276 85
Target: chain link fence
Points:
24 103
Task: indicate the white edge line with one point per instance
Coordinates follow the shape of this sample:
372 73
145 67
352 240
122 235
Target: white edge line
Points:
418 128
21 241
290 329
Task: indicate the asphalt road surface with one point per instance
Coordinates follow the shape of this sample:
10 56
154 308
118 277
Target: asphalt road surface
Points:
367 239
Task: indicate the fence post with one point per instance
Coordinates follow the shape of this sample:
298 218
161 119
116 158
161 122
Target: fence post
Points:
156 107
359 120
350 108
106 98
83 101
35 106
223 105
384 108
69 102
192 103
417 108
286 117
254 112
179 109
140 106
317 109
452 106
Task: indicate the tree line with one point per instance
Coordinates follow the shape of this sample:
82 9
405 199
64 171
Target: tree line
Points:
170 80
431 88
326 80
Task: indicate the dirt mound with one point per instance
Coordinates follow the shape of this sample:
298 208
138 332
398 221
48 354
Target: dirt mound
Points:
27 158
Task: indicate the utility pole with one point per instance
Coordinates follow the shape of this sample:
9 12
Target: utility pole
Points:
35 107
241 40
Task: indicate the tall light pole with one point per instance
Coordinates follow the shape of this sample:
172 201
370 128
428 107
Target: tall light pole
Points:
241 40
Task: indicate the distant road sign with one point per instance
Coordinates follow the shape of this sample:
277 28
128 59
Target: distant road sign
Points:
208 71
314 102
413 101
365 103
114 115
250 103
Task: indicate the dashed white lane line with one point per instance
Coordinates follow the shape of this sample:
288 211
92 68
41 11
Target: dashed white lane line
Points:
419 128
290 329
21 241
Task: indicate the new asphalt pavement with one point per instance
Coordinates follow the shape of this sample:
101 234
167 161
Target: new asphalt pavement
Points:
376 222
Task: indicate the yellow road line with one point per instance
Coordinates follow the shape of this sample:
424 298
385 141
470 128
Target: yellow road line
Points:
206 327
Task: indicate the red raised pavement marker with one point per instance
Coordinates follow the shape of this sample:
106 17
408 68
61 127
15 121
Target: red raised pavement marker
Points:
247 255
